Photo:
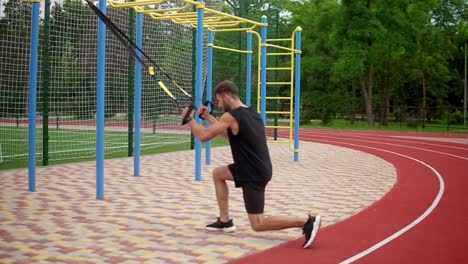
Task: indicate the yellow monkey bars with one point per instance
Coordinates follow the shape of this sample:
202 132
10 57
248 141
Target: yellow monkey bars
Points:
213 19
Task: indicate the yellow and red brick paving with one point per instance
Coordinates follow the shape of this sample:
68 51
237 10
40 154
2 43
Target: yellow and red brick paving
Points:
159 217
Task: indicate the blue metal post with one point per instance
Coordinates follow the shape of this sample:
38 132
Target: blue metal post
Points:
199 84
263 70
100 104
33 96
209 88
297 93
248 78
139 42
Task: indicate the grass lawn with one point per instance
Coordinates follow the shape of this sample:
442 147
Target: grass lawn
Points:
73 145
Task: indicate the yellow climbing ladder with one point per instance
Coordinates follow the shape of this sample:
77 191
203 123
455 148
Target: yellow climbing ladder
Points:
279 51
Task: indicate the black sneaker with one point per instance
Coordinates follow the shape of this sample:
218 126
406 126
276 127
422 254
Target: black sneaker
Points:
221 226
310 230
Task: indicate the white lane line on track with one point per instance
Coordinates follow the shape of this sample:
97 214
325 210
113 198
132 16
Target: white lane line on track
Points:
412 224
390 138
396 145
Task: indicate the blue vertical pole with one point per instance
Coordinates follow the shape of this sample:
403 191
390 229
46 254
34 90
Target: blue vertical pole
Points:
33 96
199 84
248 78
297 93
209 88
263 70
100 104
139 43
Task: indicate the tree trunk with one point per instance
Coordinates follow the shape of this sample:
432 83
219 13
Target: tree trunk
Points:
383 104
352 117
384 97
387 109
366 87
424 99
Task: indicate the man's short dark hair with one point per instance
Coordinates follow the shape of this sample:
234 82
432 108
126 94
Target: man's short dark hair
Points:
227 87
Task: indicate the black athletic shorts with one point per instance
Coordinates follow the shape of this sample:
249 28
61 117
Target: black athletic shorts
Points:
254 193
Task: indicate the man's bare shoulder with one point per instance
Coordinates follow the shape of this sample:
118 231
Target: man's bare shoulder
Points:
226 117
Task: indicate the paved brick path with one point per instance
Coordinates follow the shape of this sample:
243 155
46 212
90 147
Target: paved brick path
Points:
160 216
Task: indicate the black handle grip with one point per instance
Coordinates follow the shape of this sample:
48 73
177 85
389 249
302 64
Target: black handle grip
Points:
210 105
191 107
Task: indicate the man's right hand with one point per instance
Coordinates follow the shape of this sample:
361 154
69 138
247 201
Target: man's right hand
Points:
204 112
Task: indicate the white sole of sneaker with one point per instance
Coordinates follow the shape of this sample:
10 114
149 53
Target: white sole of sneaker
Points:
317 223
226 230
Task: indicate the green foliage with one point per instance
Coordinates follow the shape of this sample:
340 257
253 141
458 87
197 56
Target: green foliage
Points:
456 118
392 52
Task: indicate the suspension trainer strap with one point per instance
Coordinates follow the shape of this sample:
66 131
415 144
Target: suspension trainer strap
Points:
131 47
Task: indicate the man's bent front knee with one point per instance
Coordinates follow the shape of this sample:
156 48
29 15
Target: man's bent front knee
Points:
222 174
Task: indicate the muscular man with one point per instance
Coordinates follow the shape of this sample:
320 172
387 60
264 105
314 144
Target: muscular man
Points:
251 170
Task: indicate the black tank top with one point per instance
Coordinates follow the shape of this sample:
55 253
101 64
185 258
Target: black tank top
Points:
249 147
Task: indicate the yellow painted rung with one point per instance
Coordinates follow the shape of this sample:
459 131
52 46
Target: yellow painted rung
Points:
209 24
187 15
279 39
167 9
279 97
278 83
243 20
279 54
279 112
230 29
221 23
281 47
277 127
139 9
136 3
279 68
193 19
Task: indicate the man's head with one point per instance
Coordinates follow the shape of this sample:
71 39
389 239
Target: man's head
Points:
226 93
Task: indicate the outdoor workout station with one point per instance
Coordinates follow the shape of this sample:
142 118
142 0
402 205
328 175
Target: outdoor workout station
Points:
196 19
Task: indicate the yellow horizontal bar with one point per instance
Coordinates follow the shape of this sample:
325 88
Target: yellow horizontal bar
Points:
243 20
176 15
190 20
163 9
279 54
278 68
230 29
277 127
221 24
229 49
279 39
281 47
278 98
278 112
136 3
278 83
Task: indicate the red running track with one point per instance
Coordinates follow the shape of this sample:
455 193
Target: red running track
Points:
423 219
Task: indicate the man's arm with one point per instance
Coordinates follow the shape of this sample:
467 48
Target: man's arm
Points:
211 119
217 128
203 112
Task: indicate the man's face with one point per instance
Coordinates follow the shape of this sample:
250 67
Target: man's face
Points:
223 102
